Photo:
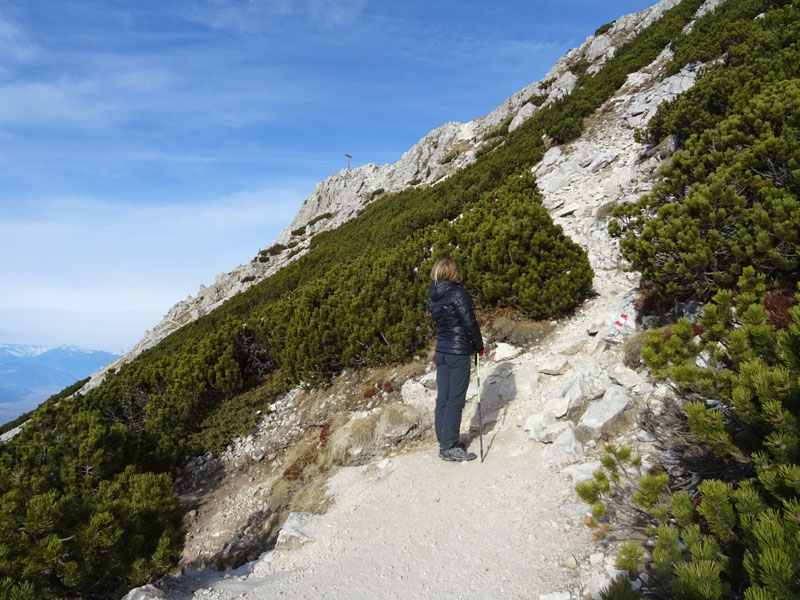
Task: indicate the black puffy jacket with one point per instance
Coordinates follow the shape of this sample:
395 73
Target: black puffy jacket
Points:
456 326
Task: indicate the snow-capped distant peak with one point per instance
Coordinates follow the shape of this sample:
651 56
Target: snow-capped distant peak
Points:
23 350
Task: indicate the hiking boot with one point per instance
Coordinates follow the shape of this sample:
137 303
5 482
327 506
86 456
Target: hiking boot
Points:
457 454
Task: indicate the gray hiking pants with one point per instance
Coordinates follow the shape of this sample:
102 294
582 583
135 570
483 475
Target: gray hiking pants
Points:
452 379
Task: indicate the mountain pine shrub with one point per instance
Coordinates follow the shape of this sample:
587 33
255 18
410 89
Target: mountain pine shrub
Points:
620 589
747 50
738 538
730 200
374 310
513 254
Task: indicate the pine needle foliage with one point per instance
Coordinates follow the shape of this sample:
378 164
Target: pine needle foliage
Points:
737 538
722 226
620 589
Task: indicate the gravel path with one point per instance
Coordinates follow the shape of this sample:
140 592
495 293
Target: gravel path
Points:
419 527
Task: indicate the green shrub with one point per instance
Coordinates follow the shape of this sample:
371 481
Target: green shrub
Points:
237 415
486 148
299 231
513 254
736 538
604 28
579 67
755 51
546 83
537 100
11 589
730 200
273 250
323 216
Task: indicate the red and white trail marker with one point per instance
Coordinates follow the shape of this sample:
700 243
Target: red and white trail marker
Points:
621 321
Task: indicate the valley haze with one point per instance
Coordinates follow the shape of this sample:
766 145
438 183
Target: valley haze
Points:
31 374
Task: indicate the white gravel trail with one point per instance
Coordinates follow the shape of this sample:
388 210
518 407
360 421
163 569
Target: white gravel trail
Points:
418 527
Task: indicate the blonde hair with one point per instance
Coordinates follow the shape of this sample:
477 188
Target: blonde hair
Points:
446 268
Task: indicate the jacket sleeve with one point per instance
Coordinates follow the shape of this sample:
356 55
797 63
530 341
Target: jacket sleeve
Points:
466 314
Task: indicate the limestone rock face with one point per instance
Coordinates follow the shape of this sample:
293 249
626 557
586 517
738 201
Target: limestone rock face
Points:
603 413
417 395
524 113
293 533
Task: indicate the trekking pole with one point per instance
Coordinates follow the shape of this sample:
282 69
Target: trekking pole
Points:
480 418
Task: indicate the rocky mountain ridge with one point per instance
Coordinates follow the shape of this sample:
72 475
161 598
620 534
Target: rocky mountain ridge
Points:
548 407
435 157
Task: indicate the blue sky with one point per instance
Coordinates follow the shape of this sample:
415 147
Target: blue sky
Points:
147 146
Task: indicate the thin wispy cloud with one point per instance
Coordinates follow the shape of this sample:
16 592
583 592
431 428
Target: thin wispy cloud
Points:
15 46
335 13
65 103
239 16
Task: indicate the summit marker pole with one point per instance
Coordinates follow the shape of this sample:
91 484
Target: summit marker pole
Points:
480 418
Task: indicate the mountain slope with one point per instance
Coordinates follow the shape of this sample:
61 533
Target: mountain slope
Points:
379 539
231 363
410 526
437 156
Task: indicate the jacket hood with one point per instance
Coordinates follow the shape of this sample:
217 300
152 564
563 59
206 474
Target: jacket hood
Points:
439 288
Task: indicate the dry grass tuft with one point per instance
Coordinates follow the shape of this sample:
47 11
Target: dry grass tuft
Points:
362 432
510 326
632 349
302 454
312 497
605 211
398 416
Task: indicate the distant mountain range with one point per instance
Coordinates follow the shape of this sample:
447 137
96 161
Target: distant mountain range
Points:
31 374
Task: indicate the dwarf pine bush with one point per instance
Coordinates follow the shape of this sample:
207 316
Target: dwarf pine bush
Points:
738 538
513 254
374 310
731 198
728 201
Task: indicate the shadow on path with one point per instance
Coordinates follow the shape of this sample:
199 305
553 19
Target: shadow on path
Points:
496 392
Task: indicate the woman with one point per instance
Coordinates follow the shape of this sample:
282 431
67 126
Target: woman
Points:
459 337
